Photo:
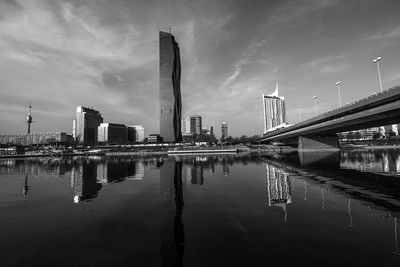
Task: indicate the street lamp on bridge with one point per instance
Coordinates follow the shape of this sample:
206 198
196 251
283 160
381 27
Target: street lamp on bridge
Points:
338 89
315 104
376 60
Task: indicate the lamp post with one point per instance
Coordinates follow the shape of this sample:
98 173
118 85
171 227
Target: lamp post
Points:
315 104
299 107
338 89
376 60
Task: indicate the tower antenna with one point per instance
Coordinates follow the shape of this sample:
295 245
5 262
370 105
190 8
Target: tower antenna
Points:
169 28
29 118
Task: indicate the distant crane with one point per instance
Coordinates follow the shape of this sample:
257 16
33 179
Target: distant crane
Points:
29 118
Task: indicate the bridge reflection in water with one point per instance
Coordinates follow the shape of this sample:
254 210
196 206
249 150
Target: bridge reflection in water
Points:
325 172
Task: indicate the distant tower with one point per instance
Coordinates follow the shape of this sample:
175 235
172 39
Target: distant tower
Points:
29 118
224 131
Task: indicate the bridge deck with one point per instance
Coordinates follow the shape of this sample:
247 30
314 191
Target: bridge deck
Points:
369 103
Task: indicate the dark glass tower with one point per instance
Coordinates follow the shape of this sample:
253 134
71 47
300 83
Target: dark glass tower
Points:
170 89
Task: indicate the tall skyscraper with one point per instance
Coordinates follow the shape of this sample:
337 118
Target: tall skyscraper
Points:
224 131
87 121
170 89
274 111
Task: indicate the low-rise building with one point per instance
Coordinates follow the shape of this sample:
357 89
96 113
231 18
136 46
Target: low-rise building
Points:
11 150
135 133
112 133
153 138
45 138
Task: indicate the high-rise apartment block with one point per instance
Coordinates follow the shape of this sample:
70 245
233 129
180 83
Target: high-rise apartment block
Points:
224 131
170 89
86 126
274 111
193 125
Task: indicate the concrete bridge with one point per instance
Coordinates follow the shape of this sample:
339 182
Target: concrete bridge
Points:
319 132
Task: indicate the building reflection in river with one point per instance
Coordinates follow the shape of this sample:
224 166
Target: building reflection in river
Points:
387 161
172 231
88 175
85 184
279 188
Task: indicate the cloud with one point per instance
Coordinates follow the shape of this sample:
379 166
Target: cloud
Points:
60 54
328 65
392 33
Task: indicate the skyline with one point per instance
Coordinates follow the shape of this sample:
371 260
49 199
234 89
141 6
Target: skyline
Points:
105 55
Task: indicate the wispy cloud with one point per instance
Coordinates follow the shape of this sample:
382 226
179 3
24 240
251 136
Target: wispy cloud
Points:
391 33
328 65
60 54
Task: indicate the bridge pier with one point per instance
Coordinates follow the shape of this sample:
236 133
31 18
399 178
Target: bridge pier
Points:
324 142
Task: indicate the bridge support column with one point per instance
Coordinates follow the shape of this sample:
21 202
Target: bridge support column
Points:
325 142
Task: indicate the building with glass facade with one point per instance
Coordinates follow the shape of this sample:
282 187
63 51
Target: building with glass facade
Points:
136 133
274 111
85 128
112 133
170 89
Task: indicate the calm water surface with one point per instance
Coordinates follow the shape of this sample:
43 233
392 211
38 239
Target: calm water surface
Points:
249 210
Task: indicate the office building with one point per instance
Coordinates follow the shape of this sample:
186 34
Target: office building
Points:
136 133
193 125
170 89
362 134
153 138
207 131
112 134
224 131
274 111
87 122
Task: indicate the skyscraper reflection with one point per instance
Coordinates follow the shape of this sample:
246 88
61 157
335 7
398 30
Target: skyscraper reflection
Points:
396 241
25 188
172 231
84 181
194 173
225 167
279 189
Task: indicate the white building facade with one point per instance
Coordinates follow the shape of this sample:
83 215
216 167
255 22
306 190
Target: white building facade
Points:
274 111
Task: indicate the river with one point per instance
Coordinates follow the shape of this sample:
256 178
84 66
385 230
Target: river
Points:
313 209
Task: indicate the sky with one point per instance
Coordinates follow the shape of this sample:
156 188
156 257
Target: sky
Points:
104 54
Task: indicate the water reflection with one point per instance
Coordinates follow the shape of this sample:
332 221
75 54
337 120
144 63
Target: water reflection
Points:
330 159
279 177
84 182
279 189
87 174
25 189
385 161
349 213
396 241
172 231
